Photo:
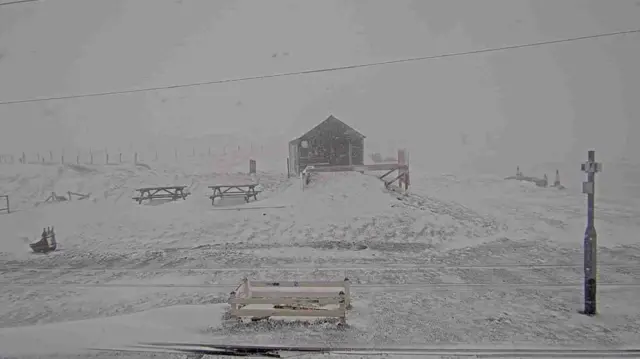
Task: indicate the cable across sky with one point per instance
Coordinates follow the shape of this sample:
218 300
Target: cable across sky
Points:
16 2
326 69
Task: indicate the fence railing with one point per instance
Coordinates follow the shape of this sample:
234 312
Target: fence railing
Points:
111 156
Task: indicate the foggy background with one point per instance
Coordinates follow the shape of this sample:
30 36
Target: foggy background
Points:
491 112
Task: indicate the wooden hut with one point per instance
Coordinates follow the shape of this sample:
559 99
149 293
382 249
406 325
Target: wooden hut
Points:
330 143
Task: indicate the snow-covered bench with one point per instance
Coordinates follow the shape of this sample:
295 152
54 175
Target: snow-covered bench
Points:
320 299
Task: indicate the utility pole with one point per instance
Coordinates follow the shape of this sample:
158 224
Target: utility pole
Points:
591 167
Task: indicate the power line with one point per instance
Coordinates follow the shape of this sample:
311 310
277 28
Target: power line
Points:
16 2
321 70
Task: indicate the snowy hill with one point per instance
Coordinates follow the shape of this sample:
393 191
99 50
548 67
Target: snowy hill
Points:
119 258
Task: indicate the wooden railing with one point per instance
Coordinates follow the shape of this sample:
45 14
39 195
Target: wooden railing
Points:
260 299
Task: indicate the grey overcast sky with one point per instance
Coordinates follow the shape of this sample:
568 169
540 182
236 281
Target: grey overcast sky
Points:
536 104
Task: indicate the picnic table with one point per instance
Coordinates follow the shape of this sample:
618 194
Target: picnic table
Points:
246 191
165 192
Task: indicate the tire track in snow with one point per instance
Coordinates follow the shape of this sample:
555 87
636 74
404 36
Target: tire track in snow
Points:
287 267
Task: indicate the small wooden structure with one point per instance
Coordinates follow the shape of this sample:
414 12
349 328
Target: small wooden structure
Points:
322 299
6 199
55 198
166 192
80 196
540 182
47 242
330 143
252 166
246 191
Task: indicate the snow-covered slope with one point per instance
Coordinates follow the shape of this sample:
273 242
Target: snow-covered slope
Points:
451 246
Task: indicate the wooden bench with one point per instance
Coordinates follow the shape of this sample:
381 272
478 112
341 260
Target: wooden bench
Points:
262 299
246 191
167 192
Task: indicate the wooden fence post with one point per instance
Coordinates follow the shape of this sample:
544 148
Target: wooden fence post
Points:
8 209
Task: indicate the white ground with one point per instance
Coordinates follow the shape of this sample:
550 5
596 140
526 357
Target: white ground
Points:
127 273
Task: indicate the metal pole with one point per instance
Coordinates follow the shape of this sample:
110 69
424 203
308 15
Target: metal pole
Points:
591 167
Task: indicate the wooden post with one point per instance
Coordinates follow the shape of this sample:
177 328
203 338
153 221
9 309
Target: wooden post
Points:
78 159
252 166
347 290
135 158
401 161
556 182
234 306
591 167
288 168
8 209
343 308
246 288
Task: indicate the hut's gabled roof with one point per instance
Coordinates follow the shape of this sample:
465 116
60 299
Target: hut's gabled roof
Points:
350 130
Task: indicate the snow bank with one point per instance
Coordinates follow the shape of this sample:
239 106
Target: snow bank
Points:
178 323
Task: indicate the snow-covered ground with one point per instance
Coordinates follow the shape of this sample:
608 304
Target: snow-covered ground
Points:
450 263
463 259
